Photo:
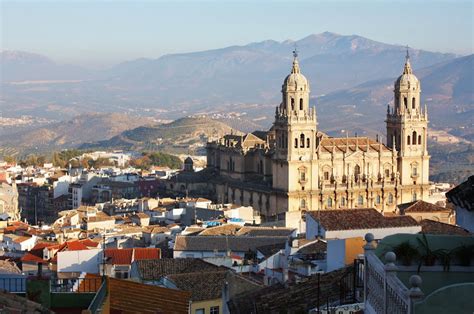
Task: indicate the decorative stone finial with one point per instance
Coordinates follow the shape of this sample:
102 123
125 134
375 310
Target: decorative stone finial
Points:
390 258
415 281
407 69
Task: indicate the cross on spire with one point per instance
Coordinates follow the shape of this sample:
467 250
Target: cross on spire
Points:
408 53
295 52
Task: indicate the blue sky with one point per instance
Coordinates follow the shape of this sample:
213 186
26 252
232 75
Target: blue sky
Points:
106 32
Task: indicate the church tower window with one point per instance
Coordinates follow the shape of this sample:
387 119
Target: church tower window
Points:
296 143
405 102
356 171
303 203
414 138
329 202
292 104
301 103
307 142
408 140
413 103
419 139
302 140
390 198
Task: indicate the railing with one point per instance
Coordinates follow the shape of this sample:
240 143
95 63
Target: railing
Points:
383 291
98 300
13 284
77 285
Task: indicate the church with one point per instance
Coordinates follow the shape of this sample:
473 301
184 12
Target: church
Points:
294 167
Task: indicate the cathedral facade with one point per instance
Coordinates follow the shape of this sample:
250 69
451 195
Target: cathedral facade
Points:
294 168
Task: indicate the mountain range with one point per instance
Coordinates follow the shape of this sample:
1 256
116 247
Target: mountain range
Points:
351 82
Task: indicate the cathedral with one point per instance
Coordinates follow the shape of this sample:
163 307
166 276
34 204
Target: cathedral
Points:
294 167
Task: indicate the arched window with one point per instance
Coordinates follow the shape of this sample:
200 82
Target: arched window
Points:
360 200
343 201
307 142
301 103
390 198
326 175
377 199
296 143
387 173
356 171
419 139
303 203
413 103
329 202
302 140
292 104
408 140
414 138
405 102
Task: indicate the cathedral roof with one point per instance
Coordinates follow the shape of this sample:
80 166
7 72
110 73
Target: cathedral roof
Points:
407 80
295 80
351 144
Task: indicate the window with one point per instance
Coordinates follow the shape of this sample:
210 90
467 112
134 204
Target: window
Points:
302 140
414 138
326 175
377 199
343 201
329 202
414 171
405 102
303 176
360 200
296 143
387 173
303 203
200 311
307 142
301 103
356 171
214 310
419 139
414 198
408 140
292 104
413 101
390 198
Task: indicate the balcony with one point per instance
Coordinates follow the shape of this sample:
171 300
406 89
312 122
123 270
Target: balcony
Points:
428 276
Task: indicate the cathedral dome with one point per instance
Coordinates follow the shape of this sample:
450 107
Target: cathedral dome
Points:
295 80
407 80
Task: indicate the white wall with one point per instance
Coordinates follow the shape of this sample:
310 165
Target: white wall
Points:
80 261
336 254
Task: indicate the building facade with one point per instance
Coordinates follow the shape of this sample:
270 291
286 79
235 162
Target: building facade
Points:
294 167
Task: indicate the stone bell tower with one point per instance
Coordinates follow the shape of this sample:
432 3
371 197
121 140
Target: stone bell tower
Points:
295 130
407 130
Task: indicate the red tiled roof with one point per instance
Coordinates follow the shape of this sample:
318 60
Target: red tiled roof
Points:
75 246
119 256
146 253
29 257
421 207
89 243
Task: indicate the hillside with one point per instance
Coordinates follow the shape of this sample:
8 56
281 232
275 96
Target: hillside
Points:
70 133
184 135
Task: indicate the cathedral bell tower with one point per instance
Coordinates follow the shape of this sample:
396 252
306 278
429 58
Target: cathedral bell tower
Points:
295 122
407 127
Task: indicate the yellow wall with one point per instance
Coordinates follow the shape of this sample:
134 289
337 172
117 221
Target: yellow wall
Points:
206 305
354 247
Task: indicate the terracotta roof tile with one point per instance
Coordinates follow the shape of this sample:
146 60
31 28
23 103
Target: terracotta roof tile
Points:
366 218
420 207
435 227
146 253
224 243
202 285
133 297
156 269
341 144
119 256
